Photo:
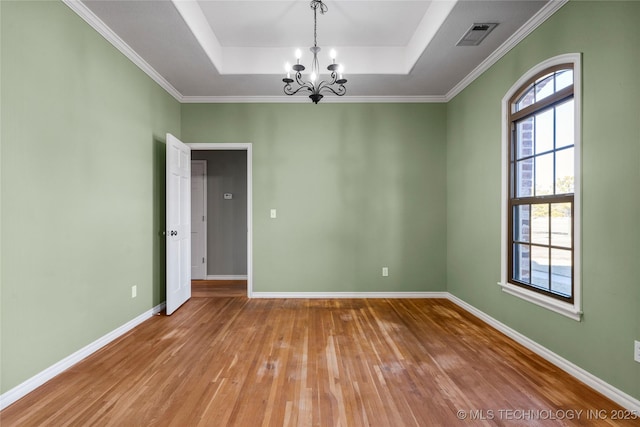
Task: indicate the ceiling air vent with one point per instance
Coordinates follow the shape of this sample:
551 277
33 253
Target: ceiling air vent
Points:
475 34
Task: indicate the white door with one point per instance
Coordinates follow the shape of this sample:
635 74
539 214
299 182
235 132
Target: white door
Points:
178 223
199 219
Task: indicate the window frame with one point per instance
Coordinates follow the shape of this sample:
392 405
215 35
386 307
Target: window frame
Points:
570 307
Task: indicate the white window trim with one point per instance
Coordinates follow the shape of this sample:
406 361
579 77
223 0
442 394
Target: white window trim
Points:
571 310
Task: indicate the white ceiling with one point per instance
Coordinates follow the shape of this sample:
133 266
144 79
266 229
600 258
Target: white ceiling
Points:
217 51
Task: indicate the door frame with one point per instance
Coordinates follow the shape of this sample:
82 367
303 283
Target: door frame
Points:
205 214
239 147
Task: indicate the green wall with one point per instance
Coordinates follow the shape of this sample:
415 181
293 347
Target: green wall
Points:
82 181
415 187
608 36
356 187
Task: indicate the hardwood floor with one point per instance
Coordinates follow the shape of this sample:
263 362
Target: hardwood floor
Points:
218 288
231 361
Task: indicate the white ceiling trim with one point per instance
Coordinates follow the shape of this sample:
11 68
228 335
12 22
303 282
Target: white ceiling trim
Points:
97 24
536 20
305 100
431 22
196 21
361 60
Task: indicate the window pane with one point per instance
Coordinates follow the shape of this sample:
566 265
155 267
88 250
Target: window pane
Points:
563 79
521 221
540 224
524 138
561 271
524 178
544 175
541 184
540 267
564 124
564 171
561 225
544 131
525 100
521 263
544 87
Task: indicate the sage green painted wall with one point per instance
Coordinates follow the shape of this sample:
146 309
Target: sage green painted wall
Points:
608 36
415 187
356 187
82 168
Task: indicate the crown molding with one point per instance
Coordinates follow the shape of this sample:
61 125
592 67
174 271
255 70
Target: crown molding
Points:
305 100
103 29
534 22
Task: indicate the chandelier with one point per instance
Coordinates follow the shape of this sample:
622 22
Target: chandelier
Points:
314 86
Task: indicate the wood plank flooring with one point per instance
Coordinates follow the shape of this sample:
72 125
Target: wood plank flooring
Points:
218 288
231 361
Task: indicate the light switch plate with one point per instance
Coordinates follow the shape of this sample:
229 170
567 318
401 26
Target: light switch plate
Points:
273 213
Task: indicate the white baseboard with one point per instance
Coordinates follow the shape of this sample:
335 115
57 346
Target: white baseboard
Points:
227 277
329 295
39 379
618 396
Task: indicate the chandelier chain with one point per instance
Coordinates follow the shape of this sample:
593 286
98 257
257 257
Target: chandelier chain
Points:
315 4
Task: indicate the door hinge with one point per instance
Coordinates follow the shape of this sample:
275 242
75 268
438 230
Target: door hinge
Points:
202 218
203 260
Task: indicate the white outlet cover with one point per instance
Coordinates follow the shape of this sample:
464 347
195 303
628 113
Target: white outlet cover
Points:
636 351
273 213
134 291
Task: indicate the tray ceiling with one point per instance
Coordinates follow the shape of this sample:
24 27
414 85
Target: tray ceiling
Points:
209 50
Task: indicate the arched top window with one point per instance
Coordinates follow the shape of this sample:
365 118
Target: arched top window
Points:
540 209
551 82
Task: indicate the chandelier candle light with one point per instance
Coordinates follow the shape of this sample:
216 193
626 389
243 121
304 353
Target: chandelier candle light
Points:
335 85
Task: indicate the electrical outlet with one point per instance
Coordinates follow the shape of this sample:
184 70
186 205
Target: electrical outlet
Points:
134 291
385 271
273 213
636 352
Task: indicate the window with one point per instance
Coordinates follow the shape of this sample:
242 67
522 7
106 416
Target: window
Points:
540 152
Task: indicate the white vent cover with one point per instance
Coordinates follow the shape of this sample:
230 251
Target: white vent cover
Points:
475 34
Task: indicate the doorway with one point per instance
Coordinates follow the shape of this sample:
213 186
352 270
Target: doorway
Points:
227 265
198 219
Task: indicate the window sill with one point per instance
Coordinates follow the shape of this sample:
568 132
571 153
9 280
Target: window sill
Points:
566 309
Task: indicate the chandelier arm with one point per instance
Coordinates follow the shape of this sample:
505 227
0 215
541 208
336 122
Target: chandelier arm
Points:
323 84
302 83
341 90
334 77
288 90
